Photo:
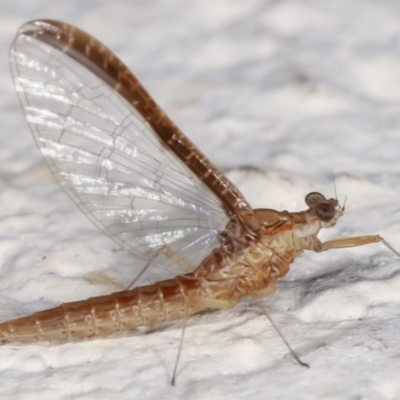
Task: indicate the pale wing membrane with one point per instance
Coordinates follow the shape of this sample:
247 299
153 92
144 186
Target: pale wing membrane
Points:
110 162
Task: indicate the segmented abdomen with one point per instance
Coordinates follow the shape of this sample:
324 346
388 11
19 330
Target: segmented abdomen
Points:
99 316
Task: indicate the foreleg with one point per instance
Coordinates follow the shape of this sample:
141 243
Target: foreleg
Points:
352 242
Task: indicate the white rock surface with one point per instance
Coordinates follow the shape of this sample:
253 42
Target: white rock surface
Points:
291 90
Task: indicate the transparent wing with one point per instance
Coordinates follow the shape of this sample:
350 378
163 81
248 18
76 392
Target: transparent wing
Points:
105 154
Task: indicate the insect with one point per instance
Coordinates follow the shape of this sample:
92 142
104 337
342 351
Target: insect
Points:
140 180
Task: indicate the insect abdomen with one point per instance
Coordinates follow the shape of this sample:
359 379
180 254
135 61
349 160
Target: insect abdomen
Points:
99 316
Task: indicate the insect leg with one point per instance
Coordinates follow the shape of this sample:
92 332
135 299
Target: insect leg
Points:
167 251
176 258
179 350
272 322
354 242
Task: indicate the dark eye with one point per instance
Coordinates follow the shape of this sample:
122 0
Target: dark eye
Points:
325 211
314 198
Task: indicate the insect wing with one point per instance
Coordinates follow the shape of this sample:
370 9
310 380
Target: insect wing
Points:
106 156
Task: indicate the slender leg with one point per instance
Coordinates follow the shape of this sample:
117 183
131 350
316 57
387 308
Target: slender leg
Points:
178 356
176 258
266 313
353 242
167 251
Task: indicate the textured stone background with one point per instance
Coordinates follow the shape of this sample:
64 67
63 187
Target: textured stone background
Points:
281 95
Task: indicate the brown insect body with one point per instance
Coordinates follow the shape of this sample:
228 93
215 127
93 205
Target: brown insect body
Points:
224 278
101 134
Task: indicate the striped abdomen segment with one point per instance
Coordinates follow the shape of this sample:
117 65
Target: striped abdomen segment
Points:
99 316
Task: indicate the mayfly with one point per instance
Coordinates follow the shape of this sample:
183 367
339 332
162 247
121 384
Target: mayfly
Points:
141 181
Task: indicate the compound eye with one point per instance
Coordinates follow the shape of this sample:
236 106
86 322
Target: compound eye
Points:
314 198
325 211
